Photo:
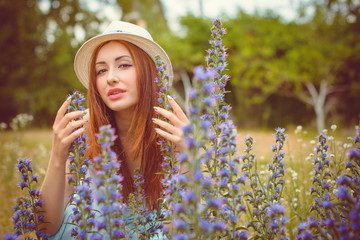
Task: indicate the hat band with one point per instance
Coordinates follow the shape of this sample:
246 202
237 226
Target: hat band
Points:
117 31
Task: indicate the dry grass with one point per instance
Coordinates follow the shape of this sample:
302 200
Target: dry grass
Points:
265 139
34 144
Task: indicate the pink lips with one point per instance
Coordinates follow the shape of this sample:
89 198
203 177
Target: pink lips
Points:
116 93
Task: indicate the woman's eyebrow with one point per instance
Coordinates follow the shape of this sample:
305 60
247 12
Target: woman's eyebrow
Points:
116 59
123 56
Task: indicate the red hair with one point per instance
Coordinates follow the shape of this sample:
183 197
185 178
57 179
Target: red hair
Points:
141 128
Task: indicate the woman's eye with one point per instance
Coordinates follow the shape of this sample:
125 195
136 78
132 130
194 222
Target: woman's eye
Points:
125 65
100 71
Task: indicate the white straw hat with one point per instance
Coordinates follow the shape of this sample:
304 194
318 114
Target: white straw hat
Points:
118 30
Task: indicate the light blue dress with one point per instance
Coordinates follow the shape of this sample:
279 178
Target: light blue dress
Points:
65 229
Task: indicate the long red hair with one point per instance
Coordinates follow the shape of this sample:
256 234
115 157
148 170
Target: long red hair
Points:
141 129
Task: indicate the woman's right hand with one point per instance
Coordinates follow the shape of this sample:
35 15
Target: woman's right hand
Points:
55 190
67 127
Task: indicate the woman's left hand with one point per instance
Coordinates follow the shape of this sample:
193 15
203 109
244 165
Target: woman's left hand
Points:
172 131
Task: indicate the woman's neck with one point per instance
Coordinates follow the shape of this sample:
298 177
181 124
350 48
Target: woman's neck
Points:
123 124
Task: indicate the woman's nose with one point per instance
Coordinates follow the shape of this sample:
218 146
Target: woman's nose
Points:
112 76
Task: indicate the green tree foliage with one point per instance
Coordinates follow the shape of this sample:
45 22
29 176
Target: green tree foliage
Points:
347 14
274 63
38 51
22 37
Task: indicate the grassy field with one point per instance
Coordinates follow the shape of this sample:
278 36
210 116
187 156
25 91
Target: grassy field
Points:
36 144
33 144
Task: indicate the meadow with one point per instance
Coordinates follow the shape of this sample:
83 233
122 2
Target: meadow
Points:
36 145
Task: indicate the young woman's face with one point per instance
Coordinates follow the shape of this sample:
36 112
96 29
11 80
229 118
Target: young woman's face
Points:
116 78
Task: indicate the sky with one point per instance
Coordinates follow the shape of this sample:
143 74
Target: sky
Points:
213 8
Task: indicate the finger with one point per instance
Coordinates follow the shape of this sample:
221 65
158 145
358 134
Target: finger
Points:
168 127
74 135
62 127
71 117
178 111
74 125
62 110
169 115
86 118
178 141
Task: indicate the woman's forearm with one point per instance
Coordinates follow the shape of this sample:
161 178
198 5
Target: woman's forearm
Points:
53 193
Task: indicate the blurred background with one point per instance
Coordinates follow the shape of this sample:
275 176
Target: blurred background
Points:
291 62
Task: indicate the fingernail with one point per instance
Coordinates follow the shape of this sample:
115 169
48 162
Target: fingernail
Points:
153 119
156 108
156 129
169 97
85 120
68 99
84 112
84 128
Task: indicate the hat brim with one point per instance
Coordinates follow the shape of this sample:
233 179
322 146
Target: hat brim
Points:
83 56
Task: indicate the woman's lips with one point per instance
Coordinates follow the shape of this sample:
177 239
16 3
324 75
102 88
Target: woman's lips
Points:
116 93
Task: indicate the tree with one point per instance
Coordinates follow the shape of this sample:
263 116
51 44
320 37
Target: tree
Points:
23 32
289 59
38 46
271 59
63 19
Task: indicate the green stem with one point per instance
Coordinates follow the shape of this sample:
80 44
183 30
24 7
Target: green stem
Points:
262 185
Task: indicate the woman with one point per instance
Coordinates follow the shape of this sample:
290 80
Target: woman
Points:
119 71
